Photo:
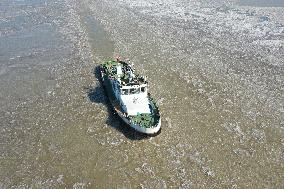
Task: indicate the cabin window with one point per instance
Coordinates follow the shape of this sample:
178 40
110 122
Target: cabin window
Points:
125 91
134 91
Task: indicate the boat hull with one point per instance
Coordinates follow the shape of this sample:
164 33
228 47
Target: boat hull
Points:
149 131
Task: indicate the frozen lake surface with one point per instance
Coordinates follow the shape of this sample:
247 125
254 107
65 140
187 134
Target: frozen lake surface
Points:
216 70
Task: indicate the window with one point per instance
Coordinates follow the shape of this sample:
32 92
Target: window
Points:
142 89
134 91
125 91
131 91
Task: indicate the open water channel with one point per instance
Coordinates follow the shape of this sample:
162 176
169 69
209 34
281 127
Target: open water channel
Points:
215 68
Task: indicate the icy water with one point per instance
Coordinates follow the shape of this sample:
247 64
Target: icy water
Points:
216 70
263 3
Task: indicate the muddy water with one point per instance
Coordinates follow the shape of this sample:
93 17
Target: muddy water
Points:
213 85
100 42
215 69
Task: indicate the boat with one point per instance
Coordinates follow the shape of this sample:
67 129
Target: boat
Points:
129 96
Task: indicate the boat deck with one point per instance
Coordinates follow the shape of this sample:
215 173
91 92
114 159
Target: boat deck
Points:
148 120
125 80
